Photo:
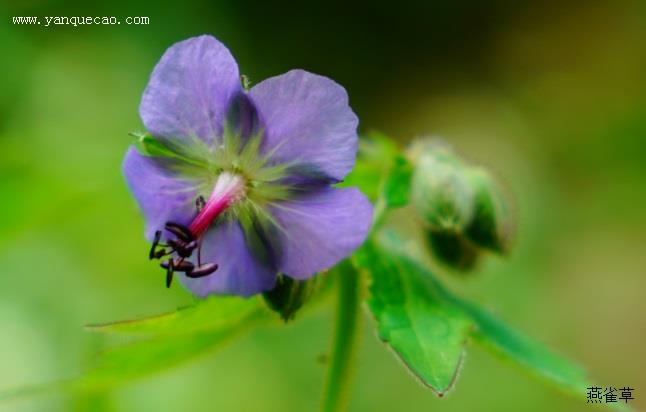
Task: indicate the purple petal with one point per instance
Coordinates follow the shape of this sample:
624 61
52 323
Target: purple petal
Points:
190 89
239 272
162 193
320 229
242 116
308 121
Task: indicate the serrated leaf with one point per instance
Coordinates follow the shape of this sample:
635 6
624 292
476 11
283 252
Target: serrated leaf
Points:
425 331
205 315
394 304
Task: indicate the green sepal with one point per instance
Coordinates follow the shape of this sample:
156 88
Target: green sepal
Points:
150 146
491 226
289 295
453 249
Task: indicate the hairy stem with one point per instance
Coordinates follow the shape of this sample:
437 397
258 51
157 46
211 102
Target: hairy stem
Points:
345 338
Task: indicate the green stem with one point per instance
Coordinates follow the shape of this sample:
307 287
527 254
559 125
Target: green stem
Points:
345 339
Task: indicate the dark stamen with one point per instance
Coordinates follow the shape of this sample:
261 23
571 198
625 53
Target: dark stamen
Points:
182 232
161 253
182 248
203 270
199 252
179 266
183 245
153 248
169 273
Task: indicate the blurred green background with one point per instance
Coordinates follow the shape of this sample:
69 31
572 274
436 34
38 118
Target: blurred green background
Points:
550 95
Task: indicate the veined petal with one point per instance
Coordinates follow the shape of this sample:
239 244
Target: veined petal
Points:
190 90
162 191
239 272
321 228
308 122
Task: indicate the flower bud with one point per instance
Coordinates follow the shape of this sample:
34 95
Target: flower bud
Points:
462 206
441 189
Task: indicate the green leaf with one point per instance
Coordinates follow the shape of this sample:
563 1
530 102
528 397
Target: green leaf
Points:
168 340
128 362
511 344
382 173
425 331
396 188
205 315
427 325
136 360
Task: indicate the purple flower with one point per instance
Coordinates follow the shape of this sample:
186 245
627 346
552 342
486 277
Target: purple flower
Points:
239 186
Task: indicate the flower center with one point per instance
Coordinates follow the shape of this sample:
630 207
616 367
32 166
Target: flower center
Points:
228 189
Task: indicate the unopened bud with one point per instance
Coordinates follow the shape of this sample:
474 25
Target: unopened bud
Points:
462 206
441 189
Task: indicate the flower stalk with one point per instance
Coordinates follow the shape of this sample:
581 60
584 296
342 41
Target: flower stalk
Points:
347 328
